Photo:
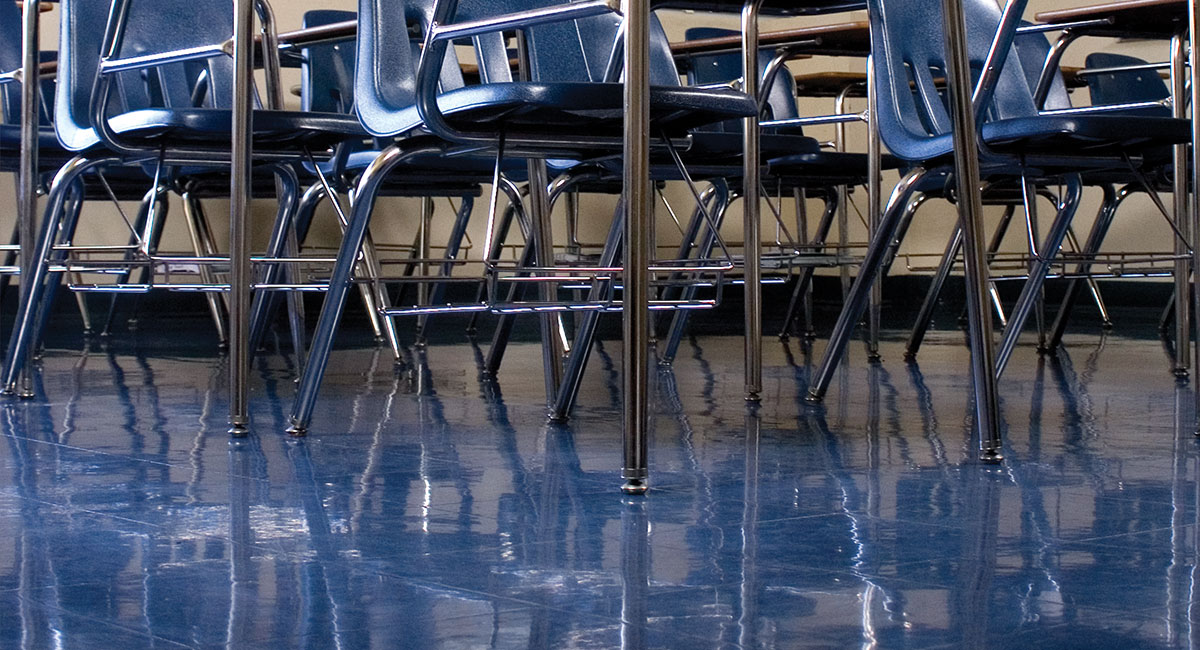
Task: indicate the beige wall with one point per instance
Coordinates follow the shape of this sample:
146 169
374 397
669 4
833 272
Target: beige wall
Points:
1136 229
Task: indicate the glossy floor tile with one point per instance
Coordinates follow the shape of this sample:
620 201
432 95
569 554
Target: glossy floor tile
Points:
431 509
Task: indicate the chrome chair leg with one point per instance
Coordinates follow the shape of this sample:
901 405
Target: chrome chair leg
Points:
1108 209
85 314
143 217
209 245
502 228
340 279
1168 313
687 241
680 318
874 304
292 276
305 211
21 341
66 233
992 249
751 222
1038 272
553 334
504 324
10 258
802 294
860 291
949 258
308 206
215 307
925 315
437 293
375 296
288 188
585 334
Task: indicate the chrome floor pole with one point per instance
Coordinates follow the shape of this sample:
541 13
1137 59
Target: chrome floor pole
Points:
752 226
239 218
1179 109
874 191
970 215
639 203
27 177
1193 31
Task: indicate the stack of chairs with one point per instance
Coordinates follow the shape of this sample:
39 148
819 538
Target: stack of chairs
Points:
1020 143
142 111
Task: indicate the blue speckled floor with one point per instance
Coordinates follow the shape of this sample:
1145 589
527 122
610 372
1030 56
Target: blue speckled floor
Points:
429 510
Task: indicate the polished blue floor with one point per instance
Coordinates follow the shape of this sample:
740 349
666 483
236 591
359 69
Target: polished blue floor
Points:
429 509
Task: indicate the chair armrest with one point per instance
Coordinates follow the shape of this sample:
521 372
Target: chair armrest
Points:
1109 108
110 66
820 119
521 19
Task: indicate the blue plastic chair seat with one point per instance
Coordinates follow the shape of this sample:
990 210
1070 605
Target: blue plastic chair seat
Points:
715 144
1098 135
574 107
271 128
827 164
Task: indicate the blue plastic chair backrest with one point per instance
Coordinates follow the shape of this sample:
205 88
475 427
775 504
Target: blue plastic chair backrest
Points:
10 57
1033 48
153 26
386 60
597 36
722 68
907 42
327 70
1126 87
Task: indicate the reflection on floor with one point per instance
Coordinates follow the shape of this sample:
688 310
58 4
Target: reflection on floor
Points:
429 509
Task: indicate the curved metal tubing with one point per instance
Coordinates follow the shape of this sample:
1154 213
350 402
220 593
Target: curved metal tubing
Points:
45 306
20 347
856 300
1050 67
339 281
